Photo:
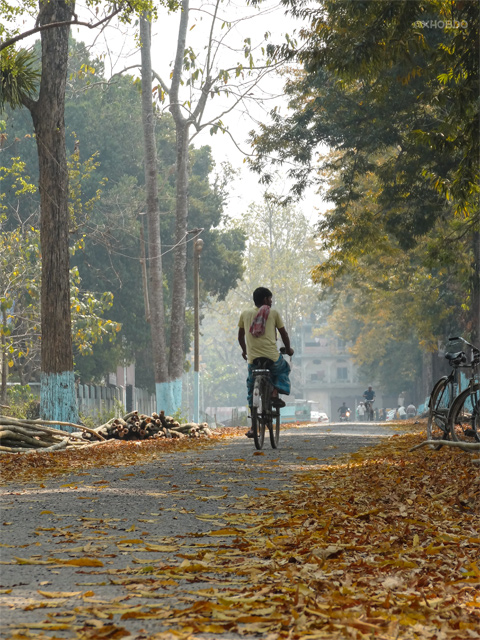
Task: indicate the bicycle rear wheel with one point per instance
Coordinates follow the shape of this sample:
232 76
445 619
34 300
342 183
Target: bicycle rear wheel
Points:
258 428
464 416
369 412
274 429
437 425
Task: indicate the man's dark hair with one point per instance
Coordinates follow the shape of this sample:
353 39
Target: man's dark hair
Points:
260 294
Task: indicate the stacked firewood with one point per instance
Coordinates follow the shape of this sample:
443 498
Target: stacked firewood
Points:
21 436
137 426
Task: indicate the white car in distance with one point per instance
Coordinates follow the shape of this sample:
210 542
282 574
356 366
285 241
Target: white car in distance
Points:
319 416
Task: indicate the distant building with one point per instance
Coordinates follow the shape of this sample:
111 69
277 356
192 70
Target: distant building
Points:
324 374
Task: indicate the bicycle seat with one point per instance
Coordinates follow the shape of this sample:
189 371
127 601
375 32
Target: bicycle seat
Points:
262 363
456 358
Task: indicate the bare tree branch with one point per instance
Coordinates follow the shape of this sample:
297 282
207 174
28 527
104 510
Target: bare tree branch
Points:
52 25
162 83
465 446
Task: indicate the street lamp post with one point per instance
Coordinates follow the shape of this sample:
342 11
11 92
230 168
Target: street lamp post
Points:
197 250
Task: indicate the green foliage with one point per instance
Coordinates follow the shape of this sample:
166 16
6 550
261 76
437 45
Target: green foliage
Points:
89 326
390 83
180 416
104 138
20 262
387 299
22 403
280 254
19 298
80 174
103 416
19 75
17 181
107 122
395 98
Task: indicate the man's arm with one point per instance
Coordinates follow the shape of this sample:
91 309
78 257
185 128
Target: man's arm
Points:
286 341
241 342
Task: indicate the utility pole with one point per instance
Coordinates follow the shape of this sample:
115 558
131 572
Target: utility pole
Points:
197 250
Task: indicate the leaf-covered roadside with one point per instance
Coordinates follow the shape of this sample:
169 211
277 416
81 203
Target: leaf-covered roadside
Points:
37 466
384 545
380 544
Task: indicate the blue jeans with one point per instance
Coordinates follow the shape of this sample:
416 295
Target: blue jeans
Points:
280 373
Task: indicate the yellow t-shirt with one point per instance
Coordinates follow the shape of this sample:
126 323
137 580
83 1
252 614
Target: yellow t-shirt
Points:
264 346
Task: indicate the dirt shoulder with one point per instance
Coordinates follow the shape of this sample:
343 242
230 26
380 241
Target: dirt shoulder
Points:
343 531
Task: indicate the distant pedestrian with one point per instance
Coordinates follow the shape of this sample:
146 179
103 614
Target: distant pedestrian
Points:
361 412
411 411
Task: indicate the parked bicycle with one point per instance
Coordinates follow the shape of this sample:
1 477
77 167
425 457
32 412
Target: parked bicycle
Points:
464 414
445 392
264 415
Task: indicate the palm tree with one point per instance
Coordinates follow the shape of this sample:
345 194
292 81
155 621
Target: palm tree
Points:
19 76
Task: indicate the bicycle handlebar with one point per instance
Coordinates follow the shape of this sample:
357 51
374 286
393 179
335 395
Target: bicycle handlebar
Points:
464 342
475 357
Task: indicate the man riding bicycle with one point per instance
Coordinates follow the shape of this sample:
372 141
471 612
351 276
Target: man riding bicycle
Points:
369 396
257 335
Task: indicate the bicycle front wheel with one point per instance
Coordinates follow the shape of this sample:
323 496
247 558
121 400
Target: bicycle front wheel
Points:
437 427
258 428
274 429
464 416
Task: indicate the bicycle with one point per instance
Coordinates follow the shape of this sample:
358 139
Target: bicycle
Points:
264 415
369 410
464 414
444 393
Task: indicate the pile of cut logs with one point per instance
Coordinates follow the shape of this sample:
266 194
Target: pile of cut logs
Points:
135 426
21 436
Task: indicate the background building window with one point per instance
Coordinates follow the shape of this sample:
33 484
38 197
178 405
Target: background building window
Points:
342 373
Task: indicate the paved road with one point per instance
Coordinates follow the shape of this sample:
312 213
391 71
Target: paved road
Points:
85 515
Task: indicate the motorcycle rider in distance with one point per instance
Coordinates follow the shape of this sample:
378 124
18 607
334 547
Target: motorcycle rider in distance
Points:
343 411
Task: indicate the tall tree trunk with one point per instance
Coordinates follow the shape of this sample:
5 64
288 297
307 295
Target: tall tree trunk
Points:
427 370
58 398
179 289
179 293
475 291
4 362
157 311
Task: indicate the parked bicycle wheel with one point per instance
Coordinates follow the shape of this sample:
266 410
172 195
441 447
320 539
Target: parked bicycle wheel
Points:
437 426
274 429
464 417
258 428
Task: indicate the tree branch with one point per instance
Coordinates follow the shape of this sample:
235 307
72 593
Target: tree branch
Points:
162 83
52 25
175 105
465 446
